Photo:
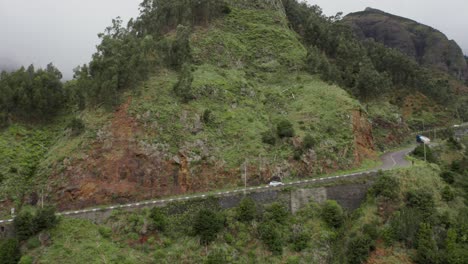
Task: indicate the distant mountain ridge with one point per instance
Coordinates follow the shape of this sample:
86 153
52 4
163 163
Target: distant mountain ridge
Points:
428 46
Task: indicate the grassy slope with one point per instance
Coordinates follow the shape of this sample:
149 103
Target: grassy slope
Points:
246 74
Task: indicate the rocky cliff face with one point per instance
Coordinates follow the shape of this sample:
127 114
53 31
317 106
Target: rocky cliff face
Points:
426 45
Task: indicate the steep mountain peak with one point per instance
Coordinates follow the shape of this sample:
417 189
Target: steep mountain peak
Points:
428 46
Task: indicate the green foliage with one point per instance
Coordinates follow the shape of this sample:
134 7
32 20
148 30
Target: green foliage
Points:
207 225
9 251
76 126
277 213
216 256
207 116
247 210
419 153
24 225
421 200
30 94
447 194
159 218
404 226
359 247
268 137
332 214
271 236
285 129
427 248
308 142
26 260
45 218
300 240
183 88
27 224
387 186
448 176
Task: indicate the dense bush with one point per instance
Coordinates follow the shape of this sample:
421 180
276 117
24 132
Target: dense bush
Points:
421 200
26 224
332 214
448 176
247 210
427 248
404 226
271 236
308 142
9 251
447 194
77 126
359 247
268 137
419 153
285 129
207 225
300 240
387 186
159 218
276 212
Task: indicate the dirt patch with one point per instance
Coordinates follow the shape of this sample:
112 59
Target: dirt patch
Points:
363 138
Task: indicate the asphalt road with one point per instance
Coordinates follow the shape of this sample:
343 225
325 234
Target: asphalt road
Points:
391 160
394 160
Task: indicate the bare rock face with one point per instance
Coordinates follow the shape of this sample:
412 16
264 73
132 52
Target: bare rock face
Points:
428 46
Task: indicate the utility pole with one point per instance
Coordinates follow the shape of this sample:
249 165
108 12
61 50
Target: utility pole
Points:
245 177
425 159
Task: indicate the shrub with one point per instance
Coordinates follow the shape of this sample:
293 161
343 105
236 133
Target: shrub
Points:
76 126
359 248
332 214
207 224
26 260
404 225
371 230
422 200
427 248
247 210
105 232
24 225
159 218
387 187
268 137
9 251
216 256
45 218
419 153
271 236
447 194
308 142
277 213
285 129
207 116
183 88
448 176
300 240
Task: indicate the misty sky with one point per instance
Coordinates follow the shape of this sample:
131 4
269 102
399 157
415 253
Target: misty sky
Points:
65 31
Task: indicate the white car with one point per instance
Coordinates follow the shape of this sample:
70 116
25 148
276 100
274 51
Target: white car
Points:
275 183
456 125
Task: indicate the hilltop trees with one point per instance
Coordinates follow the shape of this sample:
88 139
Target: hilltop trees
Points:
30 94
365 68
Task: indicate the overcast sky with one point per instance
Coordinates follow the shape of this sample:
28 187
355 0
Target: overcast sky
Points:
65 31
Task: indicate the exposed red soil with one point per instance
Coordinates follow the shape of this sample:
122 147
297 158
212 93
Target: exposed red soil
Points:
382 255
363 138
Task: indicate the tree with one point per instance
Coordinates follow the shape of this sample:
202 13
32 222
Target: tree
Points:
183 88
24 225
159 218
276 212
246 211
387 187
332 214
359 248
271 236
9 251
45 218
285 129
427 248
207 224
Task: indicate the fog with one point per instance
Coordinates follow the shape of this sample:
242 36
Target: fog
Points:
65 32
